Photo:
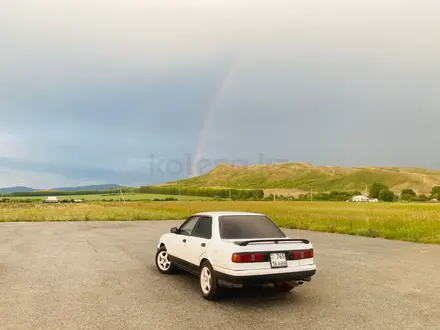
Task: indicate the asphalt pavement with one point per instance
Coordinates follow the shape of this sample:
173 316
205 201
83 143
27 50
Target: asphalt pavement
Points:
101 275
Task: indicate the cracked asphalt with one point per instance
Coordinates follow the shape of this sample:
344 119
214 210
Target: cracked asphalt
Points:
101 275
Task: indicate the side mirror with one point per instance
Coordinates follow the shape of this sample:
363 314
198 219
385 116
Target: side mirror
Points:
174 230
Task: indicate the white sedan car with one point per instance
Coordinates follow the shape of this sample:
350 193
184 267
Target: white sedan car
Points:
232 249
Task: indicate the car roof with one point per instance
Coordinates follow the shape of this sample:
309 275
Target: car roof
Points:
226 213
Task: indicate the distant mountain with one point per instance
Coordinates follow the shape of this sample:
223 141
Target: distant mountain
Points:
88 188
10 190
100 187
303 177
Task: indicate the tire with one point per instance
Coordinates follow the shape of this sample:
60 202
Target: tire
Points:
208 282
163 264
283 287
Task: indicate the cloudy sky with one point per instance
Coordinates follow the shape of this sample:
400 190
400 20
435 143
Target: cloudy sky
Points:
139 91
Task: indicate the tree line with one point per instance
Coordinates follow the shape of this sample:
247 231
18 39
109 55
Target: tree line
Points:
333 196
377 190
384 193
234 194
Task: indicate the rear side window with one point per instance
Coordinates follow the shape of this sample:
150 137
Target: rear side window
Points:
204 228
248 227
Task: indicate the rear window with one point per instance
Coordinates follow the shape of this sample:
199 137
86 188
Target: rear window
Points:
247 227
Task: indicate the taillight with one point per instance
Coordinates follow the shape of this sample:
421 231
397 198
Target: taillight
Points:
308 254
259 257
247 257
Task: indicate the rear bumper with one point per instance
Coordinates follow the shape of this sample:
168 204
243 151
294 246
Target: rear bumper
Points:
267 278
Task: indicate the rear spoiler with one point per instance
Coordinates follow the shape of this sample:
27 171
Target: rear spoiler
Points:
245 243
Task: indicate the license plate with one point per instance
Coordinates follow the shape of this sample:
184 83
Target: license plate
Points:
278 260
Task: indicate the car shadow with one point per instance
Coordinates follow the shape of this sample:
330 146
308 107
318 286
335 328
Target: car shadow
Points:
249 296
259 295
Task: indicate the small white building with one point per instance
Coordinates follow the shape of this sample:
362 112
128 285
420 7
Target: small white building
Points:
51 199
360 199
363 199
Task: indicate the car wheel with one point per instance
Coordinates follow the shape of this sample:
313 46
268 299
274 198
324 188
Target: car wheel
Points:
163 264
209 286
283 287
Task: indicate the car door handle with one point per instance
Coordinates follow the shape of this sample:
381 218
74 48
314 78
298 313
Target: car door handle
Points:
203 244
184 240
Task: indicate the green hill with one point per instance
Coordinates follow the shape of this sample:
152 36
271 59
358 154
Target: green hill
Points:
303 177
9 190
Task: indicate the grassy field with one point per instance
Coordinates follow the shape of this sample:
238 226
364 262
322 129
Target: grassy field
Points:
117 197
409 222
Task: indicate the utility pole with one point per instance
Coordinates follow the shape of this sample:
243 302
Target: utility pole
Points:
366 189
120 189
230 194
311 195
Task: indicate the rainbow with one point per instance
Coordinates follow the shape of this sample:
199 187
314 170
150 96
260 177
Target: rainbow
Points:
211 111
